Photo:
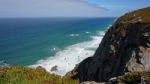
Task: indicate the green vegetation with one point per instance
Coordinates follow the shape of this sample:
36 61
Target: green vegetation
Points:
135 77
25 75
139 16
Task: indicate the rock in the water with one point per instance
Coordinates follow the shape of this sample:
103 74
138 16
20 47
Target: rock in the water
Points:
54 68
124 48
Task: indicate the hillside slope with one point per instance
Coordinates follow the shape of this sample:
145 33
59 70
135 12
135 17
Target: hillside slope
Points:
26 75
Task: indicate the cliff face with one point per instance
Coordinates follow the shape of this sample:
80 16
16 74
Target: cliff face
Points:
124 48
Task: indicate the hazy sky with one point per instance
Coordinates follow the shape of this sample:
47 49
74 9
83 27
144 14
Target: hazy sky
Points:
68 8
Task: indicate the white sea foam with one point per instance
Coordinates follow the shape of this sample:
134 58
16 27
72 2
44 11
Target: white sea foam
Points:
87 32
66 59
54 49
109 26
101 33
74 35
3 63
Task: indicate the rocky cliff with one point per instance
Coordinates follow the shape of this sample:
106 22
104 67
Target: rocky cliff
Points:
124 48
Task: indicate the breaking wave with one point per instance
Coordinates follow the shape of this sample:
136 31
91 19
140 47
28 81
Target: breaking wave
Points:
65 60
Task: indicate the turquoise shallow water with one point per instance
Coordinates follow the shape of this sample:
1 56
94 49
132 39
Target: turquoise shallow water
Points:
25 41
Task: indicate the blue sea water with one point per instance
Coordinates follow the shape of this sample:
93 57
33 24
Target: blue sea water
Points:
25 41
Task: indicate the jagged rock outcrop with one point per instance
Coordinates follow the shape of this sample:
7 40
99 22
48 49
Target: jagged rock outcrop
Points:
124 48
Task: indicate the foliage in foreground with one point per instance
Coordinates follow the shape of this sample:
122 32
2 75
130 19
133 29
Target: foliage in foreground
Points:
24 75
135 77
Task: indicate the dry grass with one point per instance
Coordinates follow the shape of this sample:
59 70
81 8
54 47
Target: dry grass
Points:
138 16
24 75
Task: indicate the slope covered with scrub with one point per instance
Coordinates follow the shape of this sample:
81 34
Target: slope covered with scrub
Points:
25 75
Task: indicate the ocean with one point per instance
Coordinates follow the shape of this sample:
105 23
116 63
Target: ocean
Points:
49 42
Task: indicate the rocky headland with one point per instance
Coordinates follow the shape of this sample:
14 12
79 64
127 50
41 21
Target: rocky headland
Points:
124 49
